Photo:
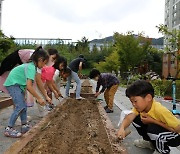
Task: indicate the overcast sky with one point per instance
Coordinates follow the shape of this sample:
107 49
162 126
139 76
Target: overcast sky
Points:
73 19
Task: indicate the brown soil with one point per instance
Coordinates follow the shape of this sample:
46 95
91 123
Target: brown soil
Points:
86 87
86 83
86 90
73 128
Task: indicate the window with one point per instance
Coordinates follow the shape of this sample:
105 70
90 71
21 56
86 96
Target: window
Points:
172 62
174 23
174 8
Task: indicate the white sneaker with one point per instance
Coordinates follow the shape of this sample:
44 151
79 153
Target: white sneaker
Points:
156 152
29 119
174 150
143 144
80 98
67 97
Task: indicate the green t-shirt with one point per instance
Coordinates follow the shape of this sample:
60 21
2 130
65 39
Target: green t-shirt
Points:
19 76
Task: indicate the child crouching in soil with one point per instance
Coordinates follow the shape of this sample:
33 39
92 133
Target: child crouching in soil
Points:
155 123
110 84
19 79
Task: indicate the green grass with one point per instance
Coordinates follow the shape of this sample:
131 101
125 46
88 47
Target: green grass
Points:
86 71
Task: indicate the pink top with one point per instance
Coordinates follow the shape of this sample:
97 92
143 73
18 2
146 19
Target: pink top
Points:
47 73
25 54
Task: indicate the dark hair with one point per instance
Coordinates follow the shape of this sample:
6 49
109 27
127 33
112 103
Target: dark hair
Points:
52 51
59 60
67 70
94 73
140 88
39 53
81 56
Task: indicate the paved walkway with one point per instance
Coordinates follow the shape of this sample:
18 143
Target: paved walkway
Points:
121 103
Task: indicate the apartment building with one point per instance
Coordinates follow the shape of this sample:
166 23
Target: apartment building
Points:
172 14
172 21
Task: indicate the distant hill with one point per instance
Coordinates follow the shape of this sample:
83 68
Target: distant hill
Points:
106 39
155 41
158 41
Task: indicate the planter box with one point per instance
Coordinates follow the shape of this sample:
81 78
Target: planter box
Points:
5 102
74 126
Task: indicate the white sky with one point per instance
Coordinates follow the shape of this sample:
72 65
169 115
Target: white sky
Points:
73 19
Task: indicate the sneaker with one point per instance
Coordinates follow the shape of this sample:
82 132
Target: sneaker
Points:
143 144
109 110
10 132
49 107
25 128
80 98
174 150
67 97
105 107
156 152
29 118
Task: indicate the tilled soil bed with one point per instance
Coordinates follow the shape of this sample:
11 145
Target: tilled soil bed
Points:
73 128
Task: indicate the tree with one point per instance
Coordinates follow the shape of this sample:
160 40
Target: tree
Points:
130 52
110 64
6 43
95 50
82 46
154 59
172 39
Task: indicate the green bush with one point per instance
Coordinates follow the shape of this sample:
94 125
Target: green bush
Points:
164 88
161 87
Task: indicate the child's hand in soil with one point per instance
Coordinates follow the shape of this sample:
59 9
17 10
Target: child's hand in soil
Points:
41 101
56 95
60 95
80 75
48 100
121 134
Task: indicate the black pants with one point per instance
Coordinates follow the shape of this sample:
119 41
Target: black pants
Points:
160 137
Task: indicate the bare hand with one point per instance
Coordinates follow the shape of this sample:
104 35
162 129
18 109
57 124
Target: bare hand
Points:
41 101
56 95
121 134
80 75
97 94
48 99
146 119
60 95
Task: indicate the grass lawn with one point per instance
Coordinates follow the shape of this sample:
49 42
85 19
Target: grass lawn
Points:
86 71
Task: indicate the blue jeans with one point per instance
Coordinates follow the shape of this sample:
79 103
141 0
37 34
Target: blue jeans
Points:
75 77
20 109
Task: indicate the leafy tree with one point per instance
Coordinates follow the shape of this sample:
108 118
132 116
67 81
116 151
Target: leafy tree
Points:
82 46
154 59
129 50
172 38
6 43
95 50
110 64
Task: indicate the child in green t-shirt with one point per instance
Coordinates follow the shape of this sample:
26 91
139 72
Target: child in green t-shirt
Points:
19 79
